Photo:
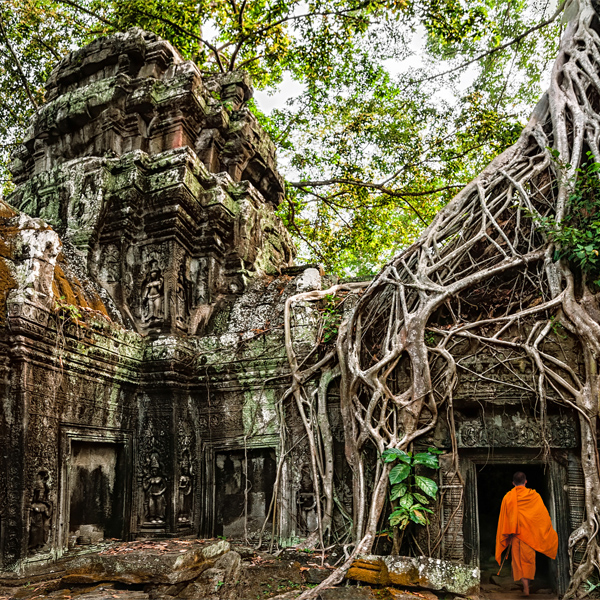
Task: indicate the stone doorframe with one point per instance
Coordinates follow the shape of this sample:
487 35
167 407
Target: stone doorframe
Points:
209 451
558 504
75 433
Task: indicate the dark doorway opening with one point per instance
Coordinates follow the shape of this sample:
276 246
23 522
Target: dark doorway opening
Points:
244 489
96 494
493 482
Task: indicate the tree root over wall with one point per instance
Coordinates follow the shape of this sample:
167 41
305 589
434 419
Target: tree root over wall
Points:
486 251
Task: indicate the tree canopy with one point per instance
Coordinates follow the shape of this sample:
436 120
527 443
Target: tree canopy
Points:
402 101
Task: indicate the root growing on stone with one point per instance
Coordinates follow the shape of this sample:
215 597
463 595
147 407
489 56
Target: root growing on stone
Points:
486 250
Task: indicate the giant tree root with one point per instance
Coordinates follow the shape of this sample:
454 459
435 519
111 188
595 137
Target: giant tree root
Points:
487 250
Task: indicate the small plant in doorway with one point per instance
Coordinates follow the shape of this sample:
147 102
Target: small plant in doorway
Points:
410 493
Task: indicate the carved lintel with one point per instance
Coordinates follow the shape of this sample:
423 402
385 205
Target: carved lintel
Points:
517 432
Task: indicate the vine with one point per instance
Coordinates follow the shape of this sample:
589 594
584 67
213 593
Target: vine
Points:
410 493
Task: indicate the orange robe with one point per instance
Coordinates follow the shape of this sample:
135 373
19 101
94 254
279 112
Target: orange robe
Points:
525 524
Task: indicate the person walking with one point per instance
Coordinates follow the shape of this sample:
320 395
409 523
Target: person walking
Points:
525 526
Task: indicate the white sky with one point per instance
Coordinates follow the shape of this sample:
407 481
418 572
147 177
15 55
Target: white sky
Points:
289 88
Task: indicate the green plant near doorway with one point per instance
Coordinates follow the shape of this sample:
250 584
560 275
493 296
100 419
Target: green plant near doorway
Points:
411 493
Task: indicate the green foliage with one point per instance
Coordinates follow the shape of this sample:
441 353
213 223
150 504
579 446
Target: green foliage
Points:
67 311
579 234
330 319
577 237
410 505
558 328
376 142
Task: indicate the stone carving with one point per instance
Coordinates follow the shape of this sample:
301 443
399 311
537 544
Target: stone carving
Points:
185 488
182 309
208 421
40 513
517 432
153 295
184 492
155 487
111 264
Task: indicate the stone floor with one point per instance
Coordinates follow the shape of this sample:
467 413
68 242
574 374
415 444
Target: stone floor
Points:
492 592
503 587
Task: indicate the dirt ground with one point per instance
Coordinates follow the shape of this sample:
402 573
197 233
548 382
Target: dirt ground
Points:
206 570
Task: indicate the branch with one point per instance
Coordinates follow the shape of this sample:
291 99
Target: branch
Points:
48 47
376 186
19 67
300 234
185 31
238 47
263 30
89 12
515 40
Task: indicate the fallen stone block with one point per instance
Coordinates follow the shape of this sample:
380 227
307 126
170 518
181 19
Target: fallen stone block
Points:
405 571
141 567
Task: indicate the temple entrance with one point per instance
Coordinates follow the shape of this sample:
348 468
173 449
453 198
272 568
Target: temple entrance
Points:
96 491
244 488
493 482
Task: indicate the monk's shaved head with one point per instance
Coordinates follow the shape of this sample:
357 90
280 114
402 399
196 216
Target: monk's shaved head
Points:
519 478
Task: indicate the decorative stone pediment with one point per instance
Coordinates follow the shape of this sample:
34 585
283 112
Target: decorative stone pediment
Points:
517 431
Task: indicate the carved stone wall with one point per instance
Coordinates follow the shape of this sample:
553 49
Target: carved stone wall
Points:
164 182
142 284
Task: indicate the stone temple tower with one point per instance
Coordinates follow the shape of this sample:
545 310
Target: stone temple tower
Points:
143 274
163 181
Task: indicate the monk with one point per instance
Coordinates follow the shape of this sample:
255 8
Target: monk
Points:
525 526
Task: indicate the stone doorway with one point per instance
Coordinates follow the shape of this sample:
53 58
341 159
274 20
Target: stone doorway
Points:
493 482
96 491
244 482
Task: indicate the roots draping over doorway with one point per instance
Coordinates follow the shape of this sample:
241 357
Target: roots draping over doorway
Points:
482 273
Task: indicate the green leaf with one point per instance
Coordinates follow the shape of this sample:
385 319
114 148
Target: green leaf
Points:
399 518
398 491
399 473
427 485
407 501
434 450
422 499
427 459
392 454
418 517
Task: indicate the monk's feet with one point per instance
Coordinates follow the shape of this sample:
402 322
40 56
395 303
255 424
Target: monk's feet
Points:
525 583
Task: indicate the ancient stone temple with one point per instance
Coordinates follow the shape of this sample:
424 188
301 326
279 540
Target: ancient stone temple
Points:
142 295
143 277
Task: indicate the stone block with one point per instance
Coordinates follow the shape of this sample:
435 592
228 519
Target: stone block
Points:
429 573
316 575
309 280
347 593
139 567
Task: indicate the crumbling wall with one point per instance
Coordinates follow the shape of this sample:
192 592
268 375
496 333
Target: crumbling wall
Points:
142 282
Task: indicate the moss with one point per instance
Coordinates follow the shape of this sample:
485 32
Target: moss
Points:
71 292
62 288
7 283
